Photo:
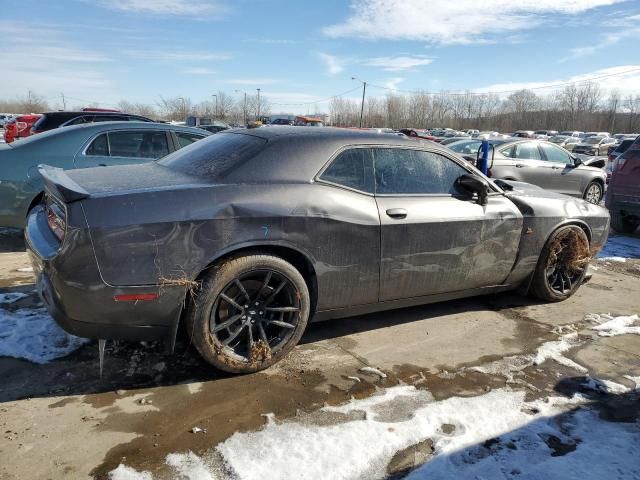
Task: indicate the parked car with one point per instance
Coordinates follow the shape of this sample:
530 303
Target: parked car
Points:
614 153
403 223
549 166
595 145
487 134
571 133
595 134
51 120
564 141
417 133
623 194
19 127
304 121
282 121
80 146
523 134
468 148
450 140
545 134
471 132
215 126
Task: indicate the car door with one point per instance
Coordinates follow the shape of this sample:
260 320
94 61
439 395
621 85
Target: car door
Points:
530 164
566 177
434 239
124 147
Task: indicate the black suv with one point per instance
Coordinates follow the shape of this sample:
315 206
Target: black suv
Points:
51 120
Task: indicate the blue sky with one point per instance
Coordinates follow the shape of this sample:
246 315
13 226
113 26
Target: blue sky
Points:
103 51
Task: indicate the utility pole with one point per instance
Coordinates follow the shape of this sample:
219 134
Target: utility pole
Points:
64 103
258 104
214 95
364 90
613 114
244 107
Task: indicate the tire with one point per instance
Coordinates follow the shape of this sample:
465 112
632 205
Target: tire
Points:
563 260
622 224
590 193
210 315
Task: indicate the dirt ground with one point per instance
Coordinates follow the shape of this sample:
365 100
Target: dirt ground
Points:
60 420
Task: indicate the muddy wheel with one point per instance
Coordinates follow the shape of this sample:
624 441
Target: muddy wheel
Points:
623 224
562 265
593 193
249 313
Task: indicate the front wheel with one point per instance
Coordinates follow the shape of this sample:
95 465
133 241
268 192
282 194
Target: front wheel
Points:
249 313
593 193
562 265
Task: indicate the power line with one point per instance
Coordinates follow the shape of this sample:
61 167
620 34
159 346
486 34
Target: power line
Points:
317 101
540 87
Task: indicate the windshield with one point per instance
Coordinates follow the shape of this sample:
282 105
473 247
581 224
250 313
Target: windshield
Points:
557 139
214 156
593 140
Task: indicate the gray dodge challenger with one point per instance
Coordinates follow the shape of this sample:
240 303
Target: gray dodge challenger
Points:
246 236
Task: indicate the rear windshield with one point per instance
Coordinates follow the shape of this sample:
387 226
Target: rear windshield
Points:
214 156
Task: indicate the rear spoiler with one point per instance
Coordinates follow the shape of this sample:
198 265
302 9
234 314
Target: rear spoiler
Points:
61 185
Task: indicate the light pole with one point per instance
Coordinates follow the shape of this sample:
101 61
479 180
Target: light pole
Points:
258 104
184 108
364 89
244 108
214 95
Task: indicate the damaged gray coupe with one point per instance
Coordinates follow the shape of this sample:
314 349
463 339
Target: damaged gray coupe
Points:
247 236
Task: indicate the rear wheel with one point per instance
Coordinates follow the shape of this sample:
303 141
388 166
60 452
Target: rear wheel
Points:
562 265
250 312
623 224
593 193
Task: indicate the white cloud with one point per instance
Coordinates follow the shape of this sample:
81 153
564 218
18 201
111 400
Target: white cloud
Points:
392 83
253 81
451 22
167 7
199 71
624 29
392 64
175 55
624 78
334 64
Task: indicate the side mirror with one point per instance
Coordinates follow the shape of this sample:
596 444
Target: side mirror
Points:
474 184
577 162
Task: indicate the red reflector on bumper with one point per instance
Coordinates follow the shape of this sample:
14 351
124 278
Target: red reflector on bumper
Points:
134 297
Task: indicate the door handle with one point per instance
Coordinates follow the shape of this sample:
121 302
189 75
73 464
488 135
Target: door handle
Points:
556 168
397 212
519 165
102 164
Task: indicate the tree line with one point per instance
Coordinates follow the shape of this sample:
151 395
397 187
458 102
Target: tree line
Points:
583 107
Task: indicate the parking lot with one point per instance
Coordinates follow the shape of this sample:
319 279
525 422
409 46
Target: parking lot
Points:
559 374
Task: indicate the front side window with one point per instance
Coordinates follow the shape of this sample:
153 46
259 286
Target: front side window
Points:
555 154
404 171
99 147
138 144
352 168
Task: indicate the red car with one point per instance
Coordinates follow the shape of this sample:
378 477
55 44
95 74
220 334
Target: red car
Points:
623 194
19 127
415 133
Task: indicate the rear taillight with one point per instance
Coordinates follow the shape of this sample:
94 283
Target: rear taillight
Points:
619 162
57 221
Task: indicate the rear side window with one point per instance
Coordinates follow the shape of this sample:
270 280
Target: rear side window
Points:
215 156
352 168
130 144
403 171
185 139
99 146
555 154
527 151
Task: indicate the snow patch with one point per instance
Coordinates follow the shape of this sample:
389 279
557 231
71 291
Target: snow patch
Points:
609 326
33 335
613 259
127 473
189 466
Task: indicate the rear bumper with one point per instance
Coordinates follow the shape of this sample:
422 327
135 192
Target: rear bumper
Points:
627 205
71 288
